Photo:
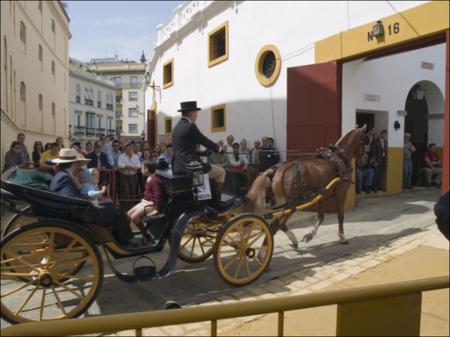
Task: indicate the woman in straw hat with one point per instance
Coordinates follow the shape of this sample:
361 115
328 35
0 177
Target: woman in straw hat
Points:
71 165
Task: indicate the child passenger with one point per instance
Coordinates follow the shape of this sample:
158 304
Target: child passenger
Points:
89 185
152 202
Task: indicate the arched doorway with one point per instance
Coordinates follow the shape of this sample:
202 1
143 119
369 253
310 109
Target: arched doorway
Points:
424 121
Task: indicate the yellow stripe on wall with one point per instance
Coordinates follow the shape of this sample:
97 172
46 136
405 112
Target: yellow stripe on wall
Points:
420 21
394 170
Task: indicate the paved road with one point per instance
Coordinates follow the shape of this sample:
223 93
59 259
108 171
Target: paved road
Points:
375 221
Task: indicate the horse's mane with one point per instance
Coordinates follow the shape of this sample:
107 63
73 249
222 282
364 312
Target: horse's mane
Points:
344 142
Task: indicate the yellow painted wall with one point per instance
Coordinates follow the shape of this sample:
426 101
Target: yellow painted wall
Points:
394 170
420 21
351 194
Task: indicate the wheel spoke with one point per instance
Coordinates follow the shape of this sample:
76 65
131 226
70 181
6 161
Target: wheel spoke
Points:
201 246
255 239
238 269
246 267
8 273
41 313
24 303
77 277
70 290
185 243
16 289
193 245
61 306
76 261
256 258
21 259
249 231
67 249
233 258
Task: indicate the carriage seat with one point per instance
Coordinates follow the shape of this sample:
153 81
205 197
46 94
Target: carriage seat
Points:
175 184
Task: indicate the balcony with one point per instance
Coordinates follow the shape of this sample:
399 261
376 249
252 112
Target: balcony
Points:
129 85
90 131
111 132
78 99
119 115
88 101
79 130
101 131
99 104
119 107
109 106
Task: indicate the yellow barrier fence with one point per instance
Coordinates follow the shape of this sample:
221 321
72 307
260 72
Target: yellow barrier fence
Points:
388 309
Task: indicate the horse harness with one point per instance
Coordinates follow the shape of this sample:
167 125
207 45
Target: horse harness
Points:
328 155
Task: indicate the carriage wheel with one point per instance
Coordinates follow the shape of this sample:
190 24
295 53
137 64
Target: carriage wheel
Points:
197 242
37 279
17 221
243 250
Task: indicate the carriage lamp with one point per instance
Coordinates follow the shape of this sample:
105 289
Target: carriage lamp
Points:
397 125
378 29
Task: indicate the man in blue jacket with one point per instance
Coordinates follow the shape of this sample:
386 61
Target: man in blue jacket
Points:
71 165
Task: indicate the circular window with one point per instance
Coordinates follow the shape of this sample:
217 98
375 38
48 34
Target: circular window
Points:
268 65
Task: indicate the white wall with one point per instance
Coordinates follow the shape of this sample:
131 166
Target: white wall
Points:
391 78
252 110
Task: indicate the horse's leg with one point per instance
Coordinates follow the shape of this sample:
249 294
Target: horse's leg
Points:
341 194
287 231
320 216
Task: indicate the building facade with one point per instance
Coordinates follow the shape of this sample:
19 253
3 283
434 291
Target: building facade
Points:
129 97
304 77
91 104
34 72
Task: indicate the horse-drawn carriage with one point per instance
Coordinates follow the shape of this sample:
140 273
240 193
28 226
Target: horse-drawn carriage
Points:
52 267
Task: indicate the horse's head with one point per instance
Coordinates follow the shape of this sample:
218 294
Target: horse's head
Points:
352 142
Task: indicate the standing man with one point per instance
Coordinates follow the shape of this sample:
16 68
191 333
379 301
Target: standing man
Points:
24 151
408 149
378 156
185 137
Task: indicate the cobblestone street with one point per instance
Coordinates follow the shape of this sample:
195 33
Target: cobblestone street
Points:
378 229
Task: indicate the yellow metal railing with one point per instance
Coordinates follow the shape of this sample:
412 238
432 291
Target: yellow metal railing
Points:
387 309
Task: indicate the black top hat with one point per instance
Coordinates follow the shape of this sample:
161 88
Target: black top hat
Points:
189 106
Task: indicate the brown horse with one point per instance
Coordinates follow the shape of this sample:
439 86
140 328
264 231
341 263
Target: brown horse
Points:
296 180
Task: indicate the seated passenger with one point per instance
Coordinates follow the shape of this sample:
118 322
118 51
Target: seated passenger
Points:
71 165
90 178
153 198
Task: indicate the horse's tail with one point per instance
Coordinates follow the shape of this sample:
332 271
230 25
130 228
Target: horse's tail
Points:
257 193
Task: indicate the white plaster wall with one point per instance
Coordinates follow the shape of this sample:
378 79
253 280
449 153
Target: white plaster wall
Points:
391 78
252 110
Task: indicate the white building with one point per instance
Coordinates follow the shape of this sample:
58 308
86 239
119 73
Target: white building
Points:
304 72
91 104
130 100
34 72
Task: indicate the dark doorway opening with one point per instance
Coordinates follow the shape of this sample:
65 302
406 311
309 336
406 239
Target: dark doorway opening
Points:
365 118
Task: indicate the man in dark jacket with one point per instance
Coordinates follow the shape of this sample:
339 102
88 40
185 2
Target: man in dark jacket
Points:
71 164
98 158
441 209
378 156
185 137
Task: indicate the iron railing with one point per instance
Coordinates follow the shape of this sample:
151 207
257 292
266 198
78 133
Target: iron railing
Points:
387 309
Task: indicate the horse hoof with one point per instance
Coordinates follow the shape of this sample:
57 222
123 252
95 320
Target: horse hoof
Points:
344 242
294 245
308 237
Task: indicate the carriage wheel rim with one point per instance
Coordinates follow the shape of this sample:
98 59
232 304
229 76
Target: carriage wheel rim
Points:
197 242
244 250
58 289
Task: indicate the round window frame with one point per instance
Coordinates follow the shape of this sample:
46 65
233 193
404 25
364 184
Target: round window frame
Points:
262 79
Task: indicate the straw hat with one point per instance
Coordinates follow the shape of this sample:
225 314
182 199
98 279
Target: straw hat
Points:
69 156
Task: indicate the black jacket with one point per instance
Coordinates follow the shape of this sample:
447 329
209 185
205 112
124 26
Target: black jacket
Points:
185 137
376 152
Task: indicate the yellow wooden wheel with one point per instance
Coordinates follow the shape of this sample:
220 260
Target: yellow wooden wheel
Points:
17 221
37 279
244 249
199 237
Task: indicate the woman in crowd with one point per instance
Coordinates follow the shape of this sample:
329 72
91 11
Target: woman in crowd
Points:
37 152
47 146
157 150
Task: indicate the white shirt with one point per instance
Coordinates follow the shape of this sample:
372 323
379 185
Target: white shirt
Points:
234 162
124 160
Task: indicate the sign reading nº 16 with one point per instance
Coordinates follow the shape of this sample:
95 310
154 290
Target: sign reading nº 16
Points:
391 30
